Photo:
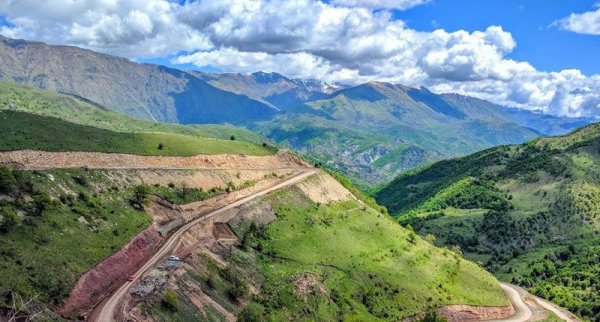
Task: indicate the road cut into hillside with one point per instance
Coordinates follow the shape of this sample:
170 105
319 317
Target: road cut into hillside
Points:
39 160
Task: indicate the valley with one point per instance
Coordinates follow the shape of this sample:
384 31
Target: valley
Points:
139 192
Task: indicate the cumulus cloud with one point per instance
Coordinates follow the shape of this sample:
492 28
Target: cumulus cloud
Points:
133 28
346 41
582 23
382 4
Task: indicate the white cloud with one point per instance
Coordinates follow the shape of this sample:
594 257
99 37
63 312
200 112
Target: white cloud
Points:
344 41
582 23
381 4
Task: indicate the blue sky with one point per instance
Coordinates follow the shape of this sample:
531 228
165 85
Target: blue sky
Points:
536 54
546 47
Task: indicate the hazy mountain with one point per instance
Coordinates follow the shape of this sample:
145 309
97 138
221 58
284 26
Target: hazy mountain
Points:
271 88
145 91
529 213
376 130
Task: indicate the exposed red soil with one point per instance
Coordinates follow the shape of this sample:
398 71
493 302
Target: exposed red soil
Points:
465 313
100 281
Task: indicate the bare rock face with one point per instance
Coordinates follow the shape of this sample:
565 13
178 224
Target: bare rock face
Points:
463 313
96 284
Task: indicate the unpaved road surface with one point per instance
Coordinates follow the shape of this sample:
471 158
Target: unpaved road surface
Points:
111 308
40 160
523 311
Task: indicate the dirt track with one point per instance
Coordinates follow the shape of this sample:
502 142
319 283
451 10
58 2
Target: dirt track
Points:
39 160
111 309
523 311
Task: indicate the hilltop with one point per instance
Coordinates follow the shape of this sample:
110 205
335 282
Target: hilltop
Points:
529 213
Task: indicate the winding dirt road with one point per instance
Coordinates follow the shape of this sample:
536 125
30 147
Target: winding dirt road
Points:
523 311
108 310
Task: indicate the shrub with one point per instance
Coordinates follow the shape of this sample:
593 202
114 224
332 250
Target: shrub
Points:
10 219
41 202
232 138
252 313
7 180
140 196
171 301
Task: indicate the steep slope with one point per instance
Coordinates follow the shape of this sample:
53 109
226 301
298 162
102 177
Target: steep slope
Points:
299 254
145 91
374 131
270 88
529 213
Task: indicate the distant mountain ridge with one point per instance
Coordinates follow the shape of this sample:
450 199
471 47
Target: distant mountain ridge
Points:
376 130
271 88
145 91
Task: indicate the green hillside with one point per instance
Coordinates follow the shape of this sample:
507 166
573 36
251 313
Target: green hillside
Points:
36 119
338 262
19 130
81 111
51 231
529 213
369 266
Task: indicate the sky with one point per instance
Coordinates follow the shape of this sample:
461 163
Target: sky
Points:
531 54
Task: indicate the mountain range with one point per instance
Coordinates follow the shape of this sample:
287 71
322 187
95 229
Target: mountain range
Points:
370 132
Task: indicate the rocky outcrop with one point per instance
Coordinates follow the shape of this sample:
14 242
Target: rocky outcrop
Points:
100 281
464 313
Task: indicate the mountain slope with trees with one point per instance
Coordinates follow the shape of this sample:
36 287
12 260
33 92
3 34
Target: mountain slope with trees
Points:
530 213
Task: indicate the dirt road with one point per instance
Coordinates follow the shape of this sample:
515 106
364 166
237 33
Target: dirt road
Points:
40 160
523 311
110 309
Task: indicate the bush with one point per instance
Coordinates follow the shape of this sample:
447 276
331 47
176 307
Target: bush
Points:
10 219
7 180
140 196
252 313
40 203
232 138
171 301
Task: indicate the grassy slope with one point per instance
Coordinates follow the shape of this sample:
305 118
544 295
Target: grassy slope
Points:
530 213
42 256
83 112
20 130
367 264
